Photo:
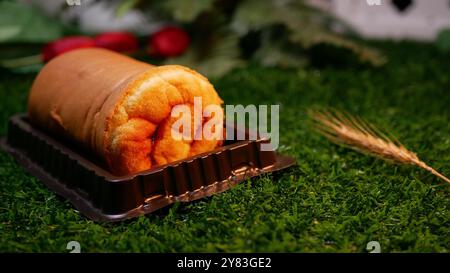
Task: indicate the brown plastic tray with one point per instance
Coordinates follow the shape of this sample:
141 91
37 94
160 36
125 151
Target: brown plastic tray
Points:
102 196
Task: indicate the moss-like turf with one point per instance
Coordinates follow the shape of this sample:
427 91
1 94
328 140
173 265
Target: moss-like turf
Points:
334 199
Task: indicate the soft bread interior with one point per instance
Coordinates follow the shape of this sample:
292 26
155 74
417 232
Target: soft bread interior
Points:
138 134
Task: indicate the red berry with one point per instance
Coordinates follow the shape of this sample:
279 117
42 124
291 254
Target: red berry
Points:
65 44
117 41
169 41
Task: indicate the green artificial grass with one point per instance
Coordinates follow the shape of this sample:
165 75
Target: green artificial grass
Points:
334 199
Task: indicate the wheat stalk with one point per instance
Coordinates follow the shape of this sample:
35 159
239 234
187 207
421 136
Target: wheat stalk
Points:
353 132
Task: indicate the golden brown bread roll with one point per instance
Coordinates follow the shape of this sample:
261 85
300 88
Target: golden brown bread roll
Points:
119 107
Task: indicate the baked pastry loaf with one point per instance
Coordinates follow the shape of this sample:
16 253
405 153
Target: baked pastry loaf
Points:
118 107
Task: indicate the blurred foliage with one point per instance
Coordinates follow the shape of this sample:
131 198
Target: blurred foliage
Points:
20 23
225 34
276 50
125 6
214 57
285 31
23 31
281 32
443 41
306 27
187 10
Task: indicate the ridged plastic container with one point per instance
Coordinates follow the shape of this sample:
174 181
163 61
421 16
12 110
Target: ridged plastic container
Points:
102 196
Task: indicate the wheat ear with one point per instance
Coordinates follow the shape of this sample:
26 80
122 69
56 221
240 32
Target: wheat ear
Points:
355 133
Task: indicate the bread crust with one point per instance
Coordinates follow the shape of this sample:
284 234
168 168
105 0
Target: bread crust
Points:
117 107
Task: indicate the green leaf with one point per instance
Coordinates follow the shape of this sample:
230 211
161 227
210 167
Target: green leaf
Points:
125 6
23 23
314 36
443 40
255 15
214 60
276 52
8 31
29 69
186 10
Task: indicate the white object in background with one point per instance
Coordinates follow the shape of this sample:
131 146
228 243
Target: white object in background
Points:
101 17
96 16
392 19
